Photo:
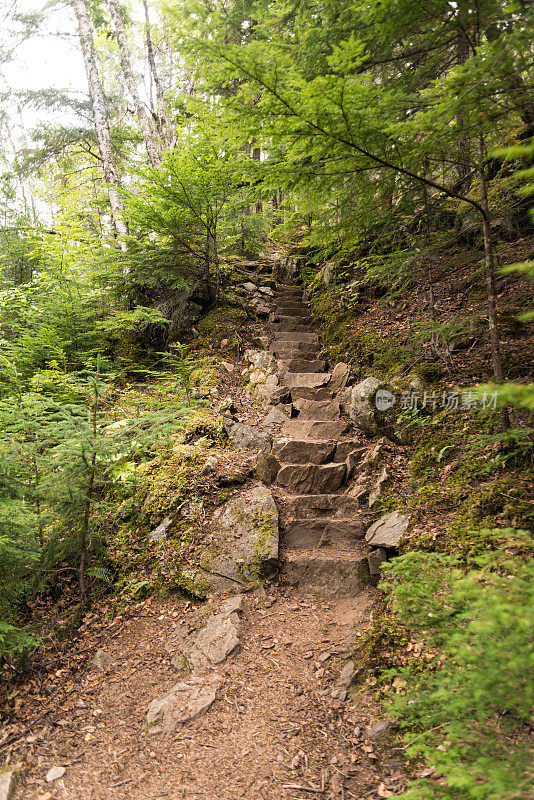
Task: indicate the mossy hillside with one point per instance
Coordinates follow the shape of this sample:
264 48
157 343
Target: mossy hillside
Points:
460 465
365 349
221 323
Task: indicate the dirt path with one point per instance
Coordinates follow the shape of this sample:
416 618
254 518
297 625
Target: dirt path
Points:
274 727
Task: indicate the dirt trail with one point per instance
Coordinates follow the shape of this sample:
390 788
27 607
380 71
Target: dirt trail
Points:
273 728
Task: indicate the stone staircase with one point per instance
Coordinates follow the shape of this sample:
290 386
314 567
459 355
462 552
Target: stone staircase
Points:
322 527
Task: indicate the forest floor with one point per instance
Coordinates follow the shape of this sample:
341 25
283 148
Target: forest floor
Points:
274 732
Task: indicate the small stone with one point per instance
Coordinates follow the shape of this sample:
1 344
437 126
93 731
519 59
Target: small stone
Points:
342 695
375 560
388 530
234 605
210 466
228 366
320 673
324 656
348 673
54 774
102 660
378 729
308 654
224 343
227 406
159 532
334 693
8 780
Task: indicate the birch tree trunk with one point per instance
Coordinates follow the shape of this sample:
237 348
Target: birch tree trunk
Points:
153 151
103 134
161 113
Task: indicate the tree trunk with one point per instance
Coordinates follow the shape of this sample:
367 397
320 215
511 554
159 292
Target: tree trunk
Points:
153 151
103 134
491 294
161 114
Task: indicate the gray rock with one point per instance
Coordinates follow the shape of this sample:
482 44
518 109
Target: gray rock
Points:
54 773
218 639
248 437
159 532
361 404
348 673
8 780
227 406
304 452
185 702
340 376
311 478
266 389
267 467
246 533
274 417
261 359
210 466
250 287
280 394
375 559
313 409
311 380
388 530
378 729
234 605
102 660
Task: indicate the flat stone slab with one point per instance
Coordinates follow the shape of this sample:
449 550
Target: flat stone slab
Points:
297 336
301 365
311 478
302 506
185 702
305 393
304 451
326 576
217 640
317 409
293 327
388 530
311 380
294 319
310 533
311 429
295 349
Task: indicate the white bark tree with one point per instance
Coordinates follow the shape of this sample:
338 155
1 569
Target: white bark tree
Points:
161 113
152 148
103 133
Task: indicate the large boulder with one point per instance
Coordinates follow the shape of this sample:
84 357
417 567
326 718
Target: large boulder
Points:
246 533
362 410
261 360
387 531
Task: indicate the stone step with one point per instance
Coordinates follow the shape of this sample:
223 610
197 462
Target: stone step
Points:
290 336
325 573
290 350
303 506
289 297
317 409
283 327
295 451
311 478
312 429
308 380
307 534
301 365
310 393
293 319
291 310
